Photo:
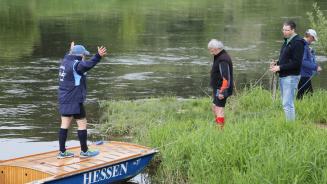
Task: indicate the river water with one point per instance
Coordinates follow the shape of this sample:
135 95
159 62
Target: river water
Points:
156 48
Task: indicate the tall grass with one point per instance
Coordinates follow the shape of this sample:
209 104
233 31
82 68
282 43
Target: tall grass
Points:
313 108
256 145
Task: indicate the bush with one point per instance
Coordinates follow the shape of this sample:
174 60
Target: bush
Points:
319 23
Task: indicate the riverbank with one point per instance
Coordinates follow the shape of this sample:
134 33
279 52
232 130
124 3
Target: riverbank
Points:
256 145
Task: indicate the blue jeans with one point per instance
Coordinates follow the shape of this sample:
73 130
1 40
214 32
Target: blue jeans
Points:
288 88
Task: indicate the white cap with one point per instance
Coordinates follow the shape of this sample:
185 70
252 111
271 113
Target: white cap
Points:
313 33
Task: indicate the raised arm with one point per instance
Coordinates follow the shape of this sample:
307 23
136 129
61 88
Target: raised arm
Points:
84 66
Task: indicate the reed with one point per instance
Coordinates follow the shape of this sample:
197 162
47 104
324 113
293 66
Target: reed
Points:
256 145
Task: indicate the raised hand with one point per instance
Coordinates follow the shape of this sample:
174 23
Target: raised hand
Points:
102 51
72 44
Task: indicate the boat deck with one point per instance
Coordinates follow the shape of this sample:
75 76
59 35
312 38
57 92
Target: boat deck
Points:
44 165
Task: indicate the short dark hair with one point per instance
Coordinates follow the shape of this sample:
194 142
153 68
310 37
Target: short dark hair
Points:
290 23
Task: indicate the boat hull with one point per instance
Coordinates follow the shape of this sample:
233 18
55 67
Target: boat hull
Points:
107 174
117 161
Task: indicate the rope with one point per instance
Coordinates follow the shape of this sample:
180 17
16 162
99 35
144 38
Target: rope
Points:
306 82
261 77
204 92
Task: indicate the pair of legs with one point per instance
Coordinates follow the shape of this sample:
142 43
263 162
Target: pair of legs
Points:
304 87
288 88
81 132
218 109
66 120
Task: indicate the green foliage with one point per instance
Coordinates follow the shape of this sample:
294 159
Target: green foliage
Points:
256 145
312 109
319 23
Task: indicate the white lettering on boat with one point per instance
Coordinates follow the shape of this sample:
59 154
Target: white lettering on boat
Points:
105 173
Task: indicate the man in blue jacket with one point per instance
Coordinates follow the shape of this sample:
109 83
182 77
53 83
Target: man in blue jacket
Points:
289 67
72 95
309 65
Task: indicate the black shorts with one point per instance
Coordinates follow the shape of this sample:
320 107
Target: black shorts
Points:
81 115
216 100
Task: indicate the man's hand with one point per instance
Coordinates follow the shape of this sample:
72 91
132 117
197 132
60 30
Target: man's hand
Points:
273 62
274 68
102 51
319 69
220 97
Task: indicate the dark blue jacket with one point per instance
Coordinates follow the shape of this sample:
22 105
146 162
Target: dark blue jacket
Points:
222 69
72 82
309 65
290 58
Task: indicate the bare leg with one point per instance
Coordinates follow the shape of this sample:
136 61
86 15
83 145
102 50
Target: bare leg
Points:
218 111
65 122
82 133
219 115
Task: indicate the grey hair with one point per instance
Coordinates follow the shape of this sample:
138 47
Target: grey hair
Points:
215 44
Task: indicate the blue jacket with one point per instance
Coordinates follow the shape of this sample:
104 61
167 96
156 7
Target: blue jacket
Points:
309 65
72 82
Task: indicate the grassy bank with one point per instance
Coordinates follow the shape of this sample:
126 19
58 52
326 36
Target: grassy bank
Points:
256 145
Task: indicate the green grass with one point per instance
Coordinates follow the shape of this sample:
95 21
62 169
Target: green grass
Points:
256 145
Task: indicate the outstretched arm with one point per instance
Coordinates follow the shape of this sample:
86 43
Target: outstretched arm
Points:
83 66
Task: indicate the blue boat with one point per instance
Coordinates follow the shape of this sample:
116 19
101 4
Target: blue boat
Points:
117 161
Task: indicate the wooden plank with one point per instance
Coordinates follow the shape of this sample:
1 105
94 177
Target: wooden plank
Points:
68 169
48 169
87 164
19 175
63 162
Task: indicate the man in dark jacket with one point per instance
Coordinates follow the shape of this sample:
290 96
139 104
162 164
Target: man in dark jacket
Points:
221 79
289 67
72 94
